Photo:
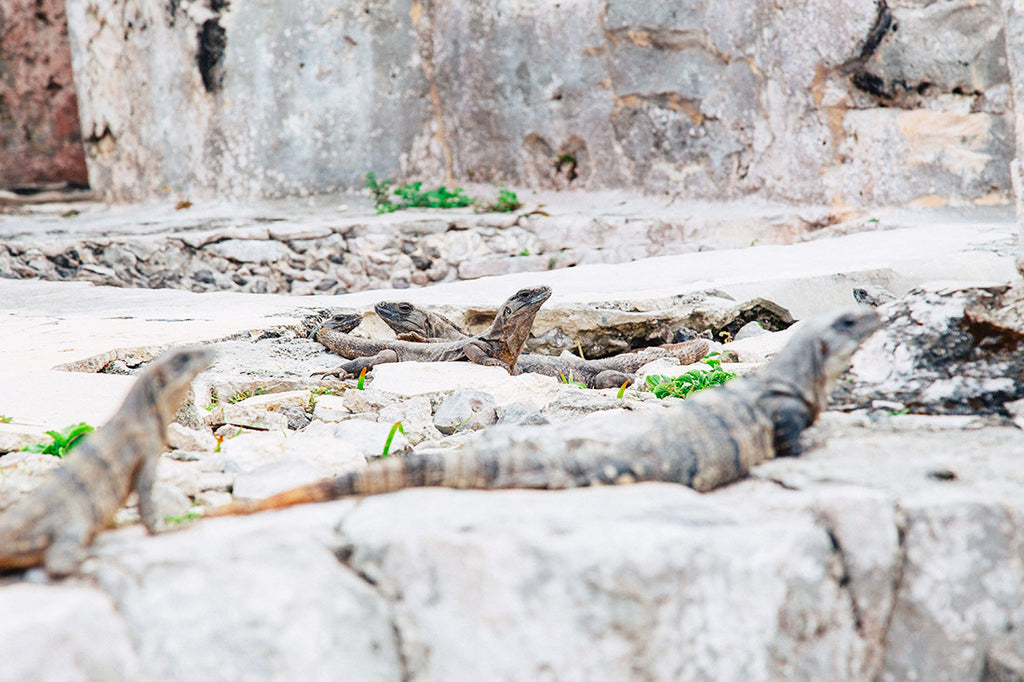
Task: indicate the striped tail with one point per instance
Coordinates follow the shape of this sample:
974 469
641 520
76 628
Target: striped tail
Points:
451 470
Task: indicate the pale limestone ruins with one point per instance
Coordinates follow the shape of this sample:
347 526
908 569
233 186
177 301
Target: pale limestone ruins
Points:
682 165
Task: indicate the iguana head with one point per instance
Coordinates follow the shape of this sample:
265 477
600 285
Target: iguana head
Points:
164 385
798 381
340 322
514 320
402 316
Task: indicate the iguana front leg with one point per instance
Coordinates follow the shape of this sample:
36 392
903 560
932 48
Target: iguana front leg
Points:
477 352
68 549
354 367
145 478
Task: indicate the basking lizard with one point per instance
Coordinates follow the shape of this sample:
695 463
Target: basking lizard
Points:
416 324
339 322
423 325
713 438
499 346
55 522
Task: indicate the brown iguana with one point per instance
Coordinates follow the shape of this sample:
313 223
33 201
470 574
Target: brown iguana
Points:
713 438
415 323
55 523
339 322
499 346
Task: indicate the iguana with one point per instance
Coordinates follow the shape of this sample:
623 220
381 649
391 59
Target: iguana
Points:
713 438
55 523
339 322
417 324
499 346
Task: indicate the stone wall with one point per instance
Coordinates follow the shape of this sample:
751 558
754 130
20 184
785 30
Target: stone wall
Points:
40 139
848 103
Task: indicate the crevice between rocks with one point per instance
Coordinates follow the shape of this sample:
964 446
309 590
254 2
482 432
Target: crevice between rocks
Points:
343 551
897 586
875 661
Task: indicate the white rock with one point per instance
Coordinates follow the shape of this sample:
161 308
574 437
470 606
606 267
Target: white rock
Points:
651 580
368 437
319 446
13 437
169 501
416 417
532 391
274 477
761 347
465 411
331 408
183 438
52 632
256 598
249 250
210 499
241 415
183 476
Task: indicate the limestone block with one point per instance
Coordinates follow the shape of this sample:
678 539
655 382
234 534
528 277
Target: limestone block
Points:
51 633
650 580
260 598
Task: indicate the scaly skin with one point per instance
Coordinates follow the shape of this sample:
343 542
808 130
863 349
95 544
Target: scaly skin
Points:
417 324
499 346
55 523
712 439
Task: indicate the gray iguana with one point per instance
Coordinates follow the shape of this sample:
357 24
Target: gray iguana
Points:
712 439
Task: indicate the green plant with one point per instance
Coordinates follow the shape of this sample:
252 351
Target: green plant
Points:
4 419
241 395
689 382
397 426
361 381
63 440
898 413
187 516
327 390
381 193
414 196
524 252
214 400
506 202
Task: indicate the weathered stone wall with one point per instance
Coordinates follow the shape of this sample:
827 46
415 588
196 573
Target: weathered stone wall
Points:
849 102
40 139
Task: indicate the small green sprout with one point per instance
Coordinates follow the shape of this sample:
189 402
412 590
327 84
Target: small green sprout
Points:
397 426
4 419
622 389
362 379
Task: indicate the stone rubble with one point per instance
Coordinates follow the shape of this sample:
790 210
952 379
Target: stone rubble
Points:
326 254
826 566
